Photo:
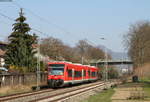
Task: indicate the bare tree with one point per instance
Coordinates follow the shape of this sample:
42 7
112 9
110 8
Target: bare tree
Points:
82 47
89 52
57 50
52 47
138 43
70 54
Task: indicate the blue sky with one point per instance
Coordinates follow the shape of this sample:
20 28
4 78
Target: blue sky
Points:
83 19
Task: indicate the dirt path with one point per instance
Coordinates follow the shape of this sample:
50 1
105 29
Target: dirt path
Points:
124 92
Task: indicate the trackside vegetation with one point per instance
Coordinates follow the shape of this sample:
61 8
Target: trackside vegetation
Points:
147 90
104 96
138 43
20 51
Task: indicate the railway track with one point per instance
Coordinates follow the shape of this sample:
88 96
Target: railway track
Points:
64 96
19 95
53 94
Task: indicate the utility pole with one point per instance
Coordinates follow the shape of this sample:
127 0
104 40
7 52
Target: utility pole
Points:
82 60
106 62
106 65
38 66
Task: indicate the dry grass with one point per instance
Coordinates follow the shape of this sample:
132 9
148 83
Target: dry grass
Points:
14 90
125 91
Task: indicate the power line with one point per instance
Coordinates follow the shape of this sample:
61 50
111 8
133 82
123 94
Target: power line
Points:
4 22
90 42
11 19
42 19
6 17
40 32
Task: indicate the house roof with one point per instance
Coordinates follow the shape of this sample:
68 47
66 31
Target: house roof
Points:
35 45
4 43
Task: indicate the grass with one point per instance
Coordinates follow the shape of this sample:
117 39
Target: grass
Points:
14 89
9 90
145 79
104 96
145 84
146 89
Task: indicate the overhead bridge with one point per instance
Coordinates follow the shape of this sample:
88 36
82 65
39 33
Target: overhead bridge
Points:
111 62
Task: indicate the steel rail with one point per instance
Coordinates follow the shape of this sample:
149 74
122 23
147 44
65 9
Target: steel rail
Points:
53 93
18 95
61 94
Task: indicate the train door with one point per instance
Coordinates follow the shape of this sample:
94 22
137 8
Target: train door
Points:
89 74
82 74
72 74
69 71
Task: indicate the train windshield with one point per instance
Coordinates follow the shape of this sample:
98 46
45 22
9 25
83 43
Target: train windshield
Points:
56 69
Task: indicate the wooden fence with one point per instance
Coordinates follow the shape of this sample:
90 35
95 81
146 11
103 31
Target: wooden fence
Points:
21 79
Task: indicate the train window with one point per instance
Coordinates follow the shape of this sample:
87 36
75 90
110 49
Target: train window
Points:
77 74
56 69
89 73
93 74
56 65
69 73
84 73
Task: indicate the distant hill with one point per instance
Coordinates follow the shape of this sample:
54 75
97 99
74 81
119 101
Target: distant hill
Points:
115 55
119 55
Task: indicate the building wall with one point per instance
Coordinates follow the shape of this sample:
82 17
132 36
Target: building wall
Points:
22 79
2 52
2 61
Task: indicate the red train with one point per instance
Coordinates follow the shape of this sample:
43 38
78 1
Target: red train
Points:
66 73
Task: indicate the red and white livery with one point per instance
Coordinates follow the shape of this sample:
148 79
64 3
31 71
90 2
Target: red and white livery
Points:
66 73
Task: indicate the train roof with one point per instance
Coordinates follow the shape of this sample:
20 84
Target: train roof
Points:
59 62
70 63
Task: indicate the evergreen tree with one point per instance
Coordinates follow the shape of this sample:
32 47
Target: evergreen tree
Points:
20 51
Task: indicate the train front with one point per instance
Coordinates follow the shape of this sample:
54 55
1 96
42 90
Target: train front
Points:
55 75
